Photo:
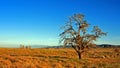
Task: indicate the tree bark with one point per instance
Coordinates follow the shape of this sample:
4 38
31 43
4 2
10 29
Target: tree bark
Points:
79 55
78 52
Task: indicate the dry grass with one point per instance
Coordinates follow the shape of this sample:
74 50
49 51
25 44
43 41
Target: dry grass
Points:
58 58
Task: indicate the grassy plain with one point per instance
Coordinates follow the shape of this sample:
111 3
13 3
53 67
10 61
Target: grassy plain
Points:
58 58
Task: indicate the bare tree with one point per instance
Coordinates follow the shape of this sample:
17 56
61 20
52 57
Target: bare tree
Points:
28 47
22 46
76 34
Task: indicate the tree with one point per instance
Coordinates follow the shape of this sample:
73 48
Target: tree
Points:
22 46
76 34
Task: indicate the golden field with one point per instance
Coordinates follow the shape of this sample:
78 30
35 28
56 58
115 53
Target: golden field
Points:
59 58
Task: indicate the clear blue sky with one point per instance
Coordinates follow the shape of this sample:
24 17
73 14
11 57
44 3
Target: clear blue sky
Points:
37 22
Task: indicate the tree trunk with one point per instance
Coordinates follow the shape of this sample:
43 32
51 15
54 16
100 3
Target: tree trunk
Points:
79 55
78 52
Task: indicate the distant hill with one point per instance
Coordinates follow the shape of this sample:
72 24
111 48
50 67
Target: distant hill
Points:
60 46
39 46
107 45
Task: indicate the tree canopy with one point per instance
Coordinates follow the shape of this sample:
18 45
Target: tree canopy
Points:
76 34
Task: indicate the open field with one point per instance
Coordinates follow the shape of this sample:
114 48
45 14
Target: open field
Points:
58 58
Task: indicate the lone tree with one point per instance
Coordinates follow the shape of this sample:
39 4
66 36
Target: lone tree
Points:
76 34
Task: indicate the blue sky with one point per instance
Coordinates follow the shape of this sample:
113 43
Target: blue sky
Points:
37 22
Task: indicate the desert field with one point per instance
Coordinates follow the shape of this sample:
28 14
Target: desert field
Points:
59 58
